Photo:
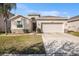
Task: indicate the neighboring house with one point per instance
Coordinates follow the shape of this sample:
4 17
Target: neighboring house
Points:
2 22
20 24
73 24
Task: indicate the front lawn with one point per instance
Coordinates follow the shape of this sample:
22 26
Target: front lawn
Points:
74 33
23 44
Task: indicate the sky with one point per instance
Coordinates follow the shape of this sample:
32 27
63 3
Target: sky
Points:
47 9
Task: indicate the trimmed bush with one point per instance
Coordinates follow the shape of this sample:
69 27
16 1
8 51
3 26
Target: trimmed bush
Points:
26 31
39 30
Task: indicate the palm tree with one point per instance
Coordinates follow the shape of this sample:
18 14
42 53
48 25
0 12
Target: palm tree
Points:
4 9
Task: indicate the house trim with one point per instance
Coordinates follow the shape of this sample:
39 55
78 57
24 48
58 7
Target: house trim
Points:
17 16
52 19
73 20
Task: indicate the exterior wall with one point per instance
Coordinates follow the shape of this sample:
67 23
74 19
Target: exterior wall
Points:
73 26
39 23
26 25
13 23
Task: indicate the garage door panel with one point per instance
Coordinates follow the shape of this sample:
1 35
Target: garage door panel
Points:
49 28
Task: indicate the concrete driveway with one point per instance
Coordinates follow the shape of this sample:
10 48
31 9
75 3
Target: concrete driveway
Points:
59 44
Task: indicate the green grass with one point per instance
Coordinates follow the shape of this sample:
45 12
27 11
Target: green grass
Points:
24 44
75 33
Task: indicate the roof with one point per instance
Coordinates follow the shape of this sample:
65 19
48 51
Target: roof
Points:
16 16
52 18
33 14
75 18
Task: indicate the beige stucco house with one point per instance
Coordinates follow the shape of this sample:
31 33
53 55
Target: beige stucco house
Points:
38 23
73 24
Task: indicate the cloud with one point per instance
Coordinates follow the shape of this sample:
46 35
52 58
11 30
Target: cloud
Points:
23 10
49 13
52 13
22 7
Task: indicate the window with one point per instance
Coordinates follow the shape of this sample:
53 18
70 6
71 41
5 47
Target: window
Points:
19 24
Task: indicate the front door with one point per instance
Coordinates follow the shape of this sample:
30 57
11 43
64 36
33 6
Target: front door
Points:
34 26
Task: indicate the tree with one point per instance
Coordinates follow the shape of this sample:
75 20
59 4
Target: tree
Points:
4 9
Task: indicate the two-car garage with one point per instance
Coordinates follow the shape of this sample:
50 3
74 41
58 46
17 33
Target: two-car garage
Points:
52 27
51 24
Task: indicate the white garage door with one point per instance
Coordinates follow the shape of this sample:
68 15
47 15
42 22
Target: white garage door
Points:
49 28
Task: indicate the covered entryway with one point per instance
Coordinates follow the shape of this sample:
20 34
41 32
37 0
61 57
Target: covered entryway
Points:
33 24
52 27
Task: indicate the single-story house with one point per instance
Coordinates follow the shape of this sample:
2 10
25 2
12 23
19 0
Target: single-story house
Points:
73 24
38 23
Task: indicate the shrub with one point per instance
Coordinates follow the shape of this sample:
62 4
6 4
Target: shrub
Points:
26 30
39 30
